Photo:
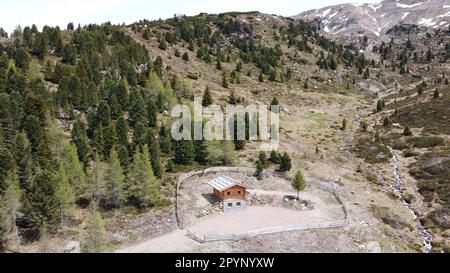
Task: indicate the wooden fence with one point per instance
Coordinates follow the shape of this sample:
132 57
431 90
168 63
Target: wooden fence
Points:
264 231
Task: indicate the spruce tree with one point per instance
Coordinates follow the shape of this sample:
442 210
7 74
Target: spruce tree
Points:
11 200
185 57
80 139
344 124
201 151
259 170
407 131
155 159
73 169
122 131
232 99
140 136
165 140
285 163
40 206
152 114
207 99
184 152
299 183
274 157
142 186
263 158
115 181
436 93
224 81
124 157
66 197
95 240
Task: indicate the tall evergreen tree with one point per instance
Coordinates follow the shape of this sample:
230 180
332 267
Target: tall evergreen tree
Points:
142 186
122 131
207 99
40 206
65 195
115 181
80 139
152 114
184 152
95 240
11 200
153 147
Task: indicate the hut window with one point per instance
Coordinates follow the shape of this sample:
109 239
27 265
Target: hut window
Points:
230 205
239 192
238 204
228 193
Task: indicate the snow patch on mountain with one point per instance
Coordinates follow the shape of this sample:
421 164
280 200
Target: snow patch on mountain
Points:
426 22
405 6
377 19
405 14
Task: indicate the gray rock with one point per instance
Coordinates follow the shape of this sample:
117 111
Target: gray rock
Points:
373 247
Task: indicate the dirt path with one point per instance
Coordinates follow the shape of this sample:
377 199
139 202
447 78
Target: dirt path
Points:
175 241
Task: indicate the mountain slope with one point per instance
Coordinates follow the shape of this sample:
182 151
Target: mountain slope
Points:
377 19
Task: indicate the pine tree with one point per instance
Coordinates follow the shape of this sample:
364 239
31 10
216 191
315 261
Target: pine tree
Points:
344 124
122 95
40 206
274 102
69 54
184 152
96 176
285 163
305 85
224 81
263 158
299 183
259 170
386 122
152 114
124 158
6 165
143 187
185 57
146 34
155 159
407 131
22 58
73 169
80 139
436 93
122 131
109 139
201 151
207 99
378 137
274 157
115 181
137 111
66 196
40 46
232 99
162 44
170 166
165 141
218 64
11 205
95 240
140 135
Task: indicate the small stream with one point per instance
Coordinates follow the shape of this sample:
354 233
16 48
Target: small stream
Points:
426 236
